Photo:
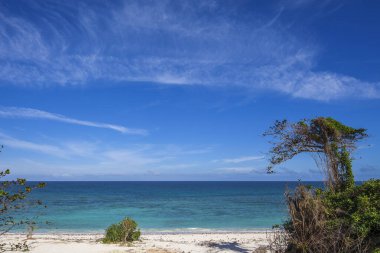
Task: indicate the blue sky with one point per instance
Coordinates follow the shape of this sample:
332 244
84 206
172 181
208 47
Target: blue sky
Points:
181 90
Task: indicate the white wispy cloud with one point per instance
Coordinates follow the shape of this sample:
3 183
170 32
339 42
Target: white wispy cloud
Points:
20 112
239 170
61 149
81 157
128 156
10 141
167 43
241 159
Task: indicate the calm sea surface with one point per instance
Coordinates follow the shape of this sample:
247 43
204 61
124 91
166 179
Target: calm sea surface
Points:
92 206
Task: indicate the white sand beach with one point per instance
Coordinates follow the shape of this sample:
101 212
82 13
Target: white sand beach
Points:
151 243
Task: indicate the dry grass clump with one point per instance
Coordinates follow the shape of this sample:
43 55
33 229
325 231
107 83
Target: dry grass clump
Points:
311 228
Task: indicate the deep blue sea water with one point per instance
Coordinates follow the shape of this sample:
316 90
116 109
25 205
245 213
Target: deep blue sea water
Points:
92 206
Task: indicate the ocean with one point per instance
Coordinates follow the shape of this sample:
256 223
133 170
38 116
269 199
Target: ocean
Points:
165 206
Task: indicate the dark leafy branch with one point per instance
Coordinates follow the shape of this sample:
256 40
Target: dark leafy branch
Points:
14 200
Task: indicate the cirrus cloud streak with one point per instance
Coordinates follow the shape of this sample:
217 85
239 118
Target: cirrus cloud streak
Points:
21 112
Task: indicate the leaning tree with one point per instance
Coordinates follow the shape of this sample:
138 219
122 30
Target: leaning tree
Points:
331 141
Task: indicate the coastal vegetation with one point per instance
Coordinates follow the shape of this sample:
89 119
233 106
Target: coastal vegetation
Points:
14 200
123 232
342 217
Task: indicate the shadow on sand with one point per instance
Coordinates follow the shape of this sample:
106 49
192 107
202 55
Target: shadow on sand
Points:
233 246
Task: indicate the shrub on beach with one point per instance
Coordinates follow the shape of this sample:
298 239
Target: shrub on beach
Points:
122 232
326 221
342 218
358 208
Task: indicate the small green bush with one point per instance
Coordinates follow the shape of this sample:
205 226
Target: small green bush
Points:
122 232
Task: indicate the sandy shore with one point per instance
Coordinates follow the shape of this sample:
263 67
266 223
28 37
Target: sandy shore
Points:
151 243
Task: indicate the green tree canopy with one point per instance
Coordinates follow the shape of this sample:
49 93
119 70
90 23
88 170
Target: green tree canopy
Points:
332 141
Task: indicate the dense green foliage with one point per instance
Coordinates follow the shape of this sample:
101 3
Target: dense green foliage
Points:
346 176
358 208
122 232
343 217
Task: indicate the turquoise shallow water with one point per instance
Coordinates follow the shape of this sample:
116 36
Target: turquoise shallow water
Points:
92 206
